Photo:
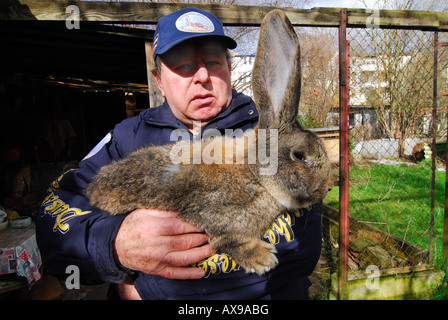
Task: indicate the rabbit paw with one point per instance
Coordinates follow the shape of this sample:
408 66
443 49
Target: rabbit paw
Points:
260 259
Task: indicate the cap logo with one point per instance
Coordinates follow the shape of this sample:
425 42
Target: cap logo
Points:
194 22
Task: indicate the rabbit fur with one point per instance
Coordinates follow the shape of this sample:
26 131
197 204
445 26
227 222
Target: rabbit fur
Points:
233 203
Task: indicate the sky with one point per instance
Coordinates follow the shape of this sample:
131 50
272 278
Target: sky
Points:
341 3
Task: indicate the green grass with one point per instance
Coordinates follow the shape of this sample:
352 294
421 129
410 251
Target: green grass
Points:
397 199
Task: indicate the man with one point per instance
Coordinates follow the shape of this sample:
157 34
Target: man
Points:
150 253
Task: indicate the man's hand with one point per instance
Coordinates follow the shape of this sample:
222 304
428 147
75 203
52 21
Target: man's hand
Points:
156 242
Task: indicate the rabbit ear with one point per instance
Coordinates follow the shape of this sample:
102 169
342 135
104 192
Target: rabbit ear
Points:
276 77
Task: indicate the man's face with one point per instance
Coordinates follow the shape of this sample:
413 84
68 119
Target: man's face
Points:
195 80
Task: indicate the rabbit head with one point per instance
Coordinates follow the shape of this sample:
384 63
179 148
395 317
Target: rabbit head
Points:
303 174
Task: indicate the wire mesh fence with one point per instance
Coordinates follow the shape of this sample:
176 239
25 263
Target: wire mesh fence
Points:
396 184
396 172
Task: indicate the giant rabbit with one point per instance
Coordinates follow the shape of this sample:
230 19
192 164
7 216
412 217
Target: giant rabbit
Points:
236 201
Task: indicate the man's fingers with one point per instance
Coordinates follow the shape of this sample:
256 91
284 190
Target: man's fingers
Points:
174 263
186 241
168 221
173 226
188 257
157 242
182 273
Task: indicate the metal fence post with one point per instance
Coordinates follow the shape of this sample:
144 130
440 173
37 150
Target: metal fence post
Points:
433 147
438 45
343 152
445 216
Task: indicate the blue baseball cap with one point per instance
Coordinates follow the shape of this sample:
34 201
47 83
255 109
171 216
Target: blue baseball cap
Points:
187 24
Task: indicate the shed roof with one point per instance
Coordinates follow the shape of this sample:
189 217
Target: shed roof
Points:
94 56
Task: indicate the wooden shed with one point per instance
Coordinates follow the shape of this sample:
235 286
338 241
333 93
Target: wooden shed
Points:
61 91
330 138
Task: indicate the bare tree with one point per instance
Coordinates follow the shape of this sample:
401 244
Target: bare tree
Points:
403 79
425 5
320 75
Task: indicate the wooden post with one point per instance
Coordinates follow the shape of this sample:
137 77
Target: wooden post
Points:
155 98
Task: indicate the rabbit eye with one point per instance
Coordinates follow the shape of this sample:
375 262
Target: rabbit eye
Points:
298 156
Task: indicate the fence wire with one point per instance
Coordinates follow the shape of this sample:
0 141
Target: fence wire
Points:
391 132
393 221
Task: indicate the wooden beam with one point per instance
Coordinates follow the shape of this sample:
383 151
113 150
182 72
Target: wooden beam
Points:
149 13
401 19
154 95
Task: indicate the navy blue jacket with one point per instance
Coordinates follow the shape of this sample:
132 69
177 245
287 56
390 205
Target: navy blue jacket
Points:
71 232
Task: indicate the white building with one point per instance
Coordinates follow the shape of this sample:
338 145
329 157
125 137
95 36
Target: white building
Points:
242 73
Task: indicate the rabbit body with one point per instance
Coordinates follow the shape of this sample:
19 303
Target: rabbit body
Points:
232 202
227 201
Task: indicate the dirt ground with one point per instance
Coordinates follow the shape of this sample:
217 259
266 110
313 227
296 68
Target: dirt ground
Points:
98 292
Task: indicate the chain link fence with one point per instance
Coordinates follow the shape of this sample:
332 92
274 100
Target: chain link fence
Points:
397 174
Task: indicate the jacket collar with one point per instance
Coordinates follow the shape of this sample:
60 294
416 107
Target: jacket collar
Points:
241 109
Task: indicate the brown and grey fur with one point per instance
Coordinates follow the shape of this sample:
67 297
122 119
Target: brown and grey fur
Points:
233 203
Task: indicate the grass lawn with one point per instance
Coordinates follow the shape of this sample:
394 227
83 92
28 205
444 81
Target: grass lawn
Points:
397 199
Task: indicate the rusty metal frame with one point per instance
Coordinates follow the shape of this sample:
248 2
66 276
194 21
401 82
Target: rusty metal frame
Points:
438 45
344 171
343 152
433 146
